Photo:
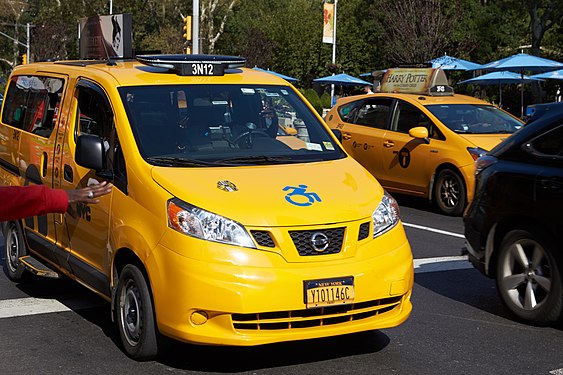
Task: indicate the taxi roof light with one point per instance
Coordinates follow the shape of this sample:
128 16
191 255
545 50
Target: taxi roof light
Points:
422 81
194 65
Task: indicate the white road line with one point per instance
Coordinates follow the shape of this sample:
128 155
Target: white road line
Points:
32 306
434 230
559 371
438 264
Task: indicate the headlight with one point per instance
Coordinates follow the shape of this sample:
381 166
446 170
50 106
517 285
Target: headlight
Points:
386 215
476 152
206 225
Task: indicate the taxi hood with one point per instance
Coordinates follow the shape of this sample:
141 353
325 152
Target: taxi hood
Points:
277 195
485 141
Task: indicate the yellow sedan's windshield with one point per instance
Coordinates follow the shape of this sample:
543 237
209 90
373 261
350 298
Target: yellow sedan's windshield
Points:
475 119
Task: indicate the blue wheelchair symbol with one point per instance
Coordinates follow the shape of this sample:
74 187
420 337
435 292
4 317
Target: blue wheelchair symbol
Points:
300 191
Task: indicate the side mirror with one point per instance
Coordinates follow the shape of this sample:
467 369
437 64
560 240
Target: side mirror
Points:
419 132
338 134
90 152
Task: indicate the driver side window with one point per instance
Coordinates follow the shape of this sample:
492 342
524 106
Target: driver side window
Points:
408 116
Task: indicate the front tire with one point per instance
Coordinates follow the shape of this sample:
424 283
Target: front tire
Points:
14 249
449 193
529 278
135 315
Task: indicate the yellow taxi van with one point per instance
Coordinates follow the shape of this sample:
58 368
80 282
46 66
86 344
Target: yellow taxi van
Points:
236 218
419 138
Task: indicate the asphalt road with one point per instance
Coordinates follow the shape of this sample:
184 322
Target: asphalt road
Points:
458 326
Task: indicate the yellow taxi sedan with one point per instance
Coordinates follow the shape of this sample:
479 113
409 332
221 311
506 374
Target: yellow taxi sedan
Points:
419 138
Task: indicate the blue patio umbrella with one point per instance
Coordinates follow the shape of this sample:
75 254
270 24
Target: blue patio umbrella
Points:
554 74
287 78
341 79
521 62
453 63
498 78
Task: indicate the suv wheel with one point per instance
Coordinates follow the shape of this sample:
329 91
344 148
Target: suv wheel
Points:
135 317
449 193
529 278
14 249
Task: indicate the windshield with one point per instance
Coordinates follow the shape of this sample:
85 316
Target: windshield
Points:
207 125
475 119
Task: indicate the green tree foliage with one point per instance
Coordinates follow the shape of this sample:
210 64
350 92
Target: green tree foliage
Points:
286 35
313 98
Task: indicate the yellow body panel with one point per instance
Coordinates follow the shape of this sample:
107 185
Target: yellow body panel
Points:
205 291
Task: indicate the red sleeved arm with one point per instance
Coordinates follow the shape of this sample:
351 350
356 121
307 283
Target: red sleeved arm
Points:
18 202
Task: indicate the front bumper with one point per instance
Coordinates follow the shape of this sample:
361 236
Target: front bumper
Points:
252 297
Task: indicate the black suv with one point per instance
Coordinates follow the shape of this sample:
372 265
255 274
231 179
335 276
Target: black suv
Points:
514 226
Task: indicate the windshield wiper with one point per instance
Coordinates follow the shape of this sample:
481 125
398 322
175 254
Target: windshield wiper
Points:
257 159
179 162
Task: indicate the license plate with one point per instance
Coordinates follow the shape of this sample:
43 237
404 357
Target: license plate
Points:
328 292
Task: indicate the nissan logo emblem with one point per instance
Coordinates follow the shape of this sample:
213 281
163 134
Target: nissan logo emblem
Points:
319 241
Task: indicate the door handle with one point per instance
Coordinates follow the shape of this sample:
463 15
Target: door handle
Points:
388 144
346 136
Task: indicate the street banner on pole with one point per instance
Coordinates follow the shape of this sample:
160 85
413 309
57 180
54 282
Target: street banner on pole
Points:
328 24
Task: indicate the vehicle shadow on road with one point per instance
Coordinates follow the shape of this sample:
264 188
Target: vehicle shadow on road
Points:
241 359
467 286
418 203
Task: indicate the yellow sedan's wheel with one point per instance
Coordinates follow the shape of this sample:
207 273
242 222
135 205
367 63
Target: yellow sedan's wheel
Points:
449 193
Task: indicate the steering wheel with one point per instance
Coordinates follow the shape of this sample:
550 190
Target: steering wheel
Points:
244 140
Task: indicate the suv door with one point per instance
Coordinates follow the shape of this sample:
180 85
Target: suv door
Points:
33 106
84 233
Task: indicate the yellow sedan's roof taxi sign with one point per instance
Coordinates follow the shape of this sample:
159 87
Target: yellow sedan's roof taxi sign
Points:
424 81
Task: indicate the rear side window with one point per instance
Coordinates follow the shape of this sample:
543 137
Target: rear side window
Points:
33 104
370 112
548 144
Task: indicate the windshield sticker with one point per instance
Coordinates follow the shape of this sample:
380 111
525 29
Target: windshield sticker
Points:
314 146
328 146
300 197
219 102
247 91
284 92
272 94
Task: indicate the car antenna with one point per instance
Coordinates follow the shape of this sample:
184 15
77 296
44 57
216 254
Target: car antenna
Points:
110 61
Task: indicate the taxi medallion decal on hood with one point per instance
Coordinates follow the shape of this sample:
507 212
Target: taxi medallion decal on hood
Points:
226 186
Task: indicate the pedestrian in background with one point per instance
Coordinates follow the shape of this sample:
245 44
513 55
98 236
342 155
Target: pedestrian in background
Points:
18 202
367 89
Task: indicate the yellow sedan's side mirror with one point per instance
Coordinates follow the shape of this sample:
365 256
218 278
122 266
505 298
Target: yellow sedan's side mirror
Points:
420 132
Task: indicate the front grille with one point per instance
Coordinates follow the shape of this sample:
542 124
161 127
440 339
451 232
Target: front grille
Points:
364 231
302 241
306 318
263 238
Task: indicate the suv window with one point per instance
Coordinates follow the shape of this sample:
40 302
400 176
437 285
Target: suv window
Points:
548 144
95 116
32 103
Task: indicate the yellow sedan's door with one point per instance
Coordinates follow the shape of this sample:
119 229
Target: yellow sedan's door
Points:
408 162
365 124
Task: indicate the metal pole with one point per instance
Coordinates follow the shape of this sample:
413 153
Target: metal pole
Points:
333 51
110 6
195 27
28 47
